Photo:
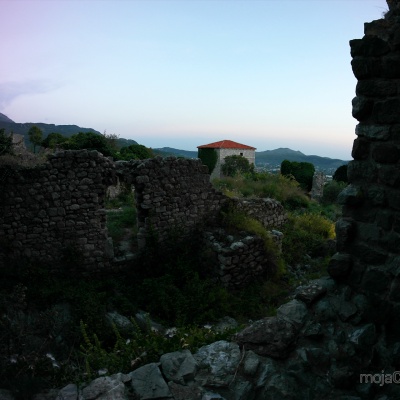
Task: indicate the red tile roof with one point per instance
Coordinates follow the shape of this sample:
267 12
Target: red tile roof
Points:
226 144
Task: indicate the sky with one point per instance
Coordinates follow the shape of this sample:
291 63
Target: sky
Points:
266 73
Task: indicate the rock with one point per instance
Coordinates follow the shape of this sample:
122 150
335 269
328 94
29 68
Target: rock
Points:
294 312
339 265
310 293
272 336
148 383
220 358
345 309
225 323
212 396
313 330
363 336
281 387
69 392
268 369
179 366
105 388
6 395
250 363
145 323
180 392
123 324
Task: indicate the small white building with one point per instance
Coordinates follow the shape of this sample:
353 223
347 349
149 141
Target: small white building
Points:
217 151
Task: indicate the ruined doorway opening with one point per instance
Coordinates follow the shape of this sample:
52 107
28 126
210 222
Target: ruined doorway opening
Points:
122 219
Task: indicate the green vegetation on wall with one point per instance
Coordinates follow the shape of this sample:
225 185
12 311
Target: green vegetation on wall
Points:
208 157
135 152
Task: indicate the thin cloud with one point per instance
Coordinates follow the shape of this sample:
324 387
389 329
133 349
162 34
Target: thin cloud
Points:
11 90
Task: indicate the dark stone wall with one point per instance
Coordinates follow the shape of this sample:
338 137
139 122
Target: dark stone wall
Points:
171 194
368 235
55 211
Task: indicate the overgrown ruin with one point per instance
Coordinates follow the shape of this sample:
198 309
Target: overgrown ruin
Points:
55 212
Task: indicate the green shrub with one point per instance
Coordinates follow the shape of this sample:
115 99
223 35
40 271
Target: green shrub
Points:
304 234
238 221
302 172
331 191
119 221
262 185
236 165
127 354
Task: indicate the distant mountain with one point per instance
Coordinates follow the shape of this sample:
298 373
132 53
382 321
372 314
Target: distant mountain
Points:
65 130
4 118
269 158
169 151
275 158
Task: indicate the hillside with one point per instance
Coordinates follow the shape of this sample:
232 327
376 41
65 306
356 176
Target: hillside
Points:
65 130
275 157
169 151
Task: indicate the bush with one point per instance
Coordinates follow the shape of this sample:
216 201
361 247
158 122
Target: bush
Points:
303 172
340 174
237 221
331 191
236 165
304 234
263 185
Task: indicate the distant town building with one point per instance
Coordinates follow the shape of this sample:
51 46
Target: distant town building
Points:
217 152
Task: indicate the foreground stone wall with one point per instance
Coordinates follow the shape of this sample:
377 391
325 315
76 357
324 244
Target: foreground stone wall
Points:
55 211
368 235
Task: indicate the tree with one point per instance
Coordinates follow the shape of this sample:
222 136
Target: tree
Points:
112 141
90 141
135 152
6 143
35 136
340 174
234 165
208 157
302 172
53 139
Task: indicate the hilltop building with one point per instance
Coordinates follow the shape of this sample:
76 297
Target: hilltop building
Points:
213 154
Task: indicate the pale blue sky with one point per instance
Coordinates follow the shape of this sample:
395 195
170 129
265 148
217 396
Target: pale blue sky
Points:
267 73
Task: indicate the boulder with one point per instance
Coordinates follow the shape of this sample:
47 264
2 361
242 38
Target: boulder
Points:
148 383
272 336
179 366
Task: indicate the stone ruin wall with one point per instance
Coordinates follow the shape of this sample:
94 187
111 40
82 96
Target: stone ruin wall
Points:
171 194
368 235
55 211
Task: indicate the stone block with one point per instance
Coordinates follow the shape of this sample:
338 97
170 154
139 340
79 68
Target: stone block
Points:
339 265
374 132
369 46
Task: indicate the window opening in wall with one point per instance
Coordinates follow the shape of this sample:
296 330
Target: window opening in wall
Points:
241 154
122 218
